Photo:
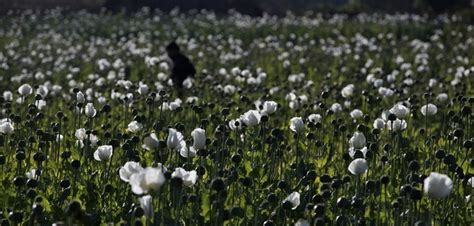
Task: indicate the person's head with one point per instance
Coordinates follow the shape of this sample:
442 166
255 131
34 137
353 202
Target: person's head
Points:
172 49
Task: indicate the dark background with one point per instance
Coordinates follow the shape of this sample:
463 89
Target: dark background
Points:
254 7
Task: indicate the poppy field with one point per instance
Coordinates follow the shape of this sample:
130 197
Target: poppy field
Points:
295 120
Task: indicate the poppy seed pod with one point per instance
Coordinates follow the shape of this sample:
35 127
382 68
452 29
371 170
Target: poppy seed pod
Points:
342 203
336 183
318 198
346 179
32 183
370 185
440 154
361 222
405 190
311 175
416 194
341 220
468 143
326 194
324 94
20 155
65 154
37 209
31 193
73 208
458 133
176 181
247 182
392 117
16 216
325 178
319 210
39 157
201 171
65 183
466 110
357 203
384 179
358 154
346 156
414 166
217 184
282 184
75 164
449 159
272 198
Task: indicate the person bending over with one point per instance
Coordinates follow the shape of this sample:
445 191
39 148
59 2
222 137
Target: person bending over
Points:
182 67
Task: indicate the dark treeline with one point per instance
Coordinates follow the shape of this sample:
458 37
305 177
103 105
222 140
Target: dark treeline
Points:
257 7
254 7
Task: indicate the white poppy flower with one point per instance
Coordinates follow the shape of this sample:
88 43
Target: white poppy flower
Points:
471 182
294 199
134 127
442 97
251 118
90 110
8 95
146 203
148 179
356 114
400 111
40 104
352 151
269 107
25 90
103 153
32 174
297 125
358 166
336 107
397 125
314 118
143 89
150 142
429 109
127 170
437 185
80 98
188 83
6 126
199 138
174 138
42 90
189 178
358 140
235 124
81 134
348 91
379 123
185 151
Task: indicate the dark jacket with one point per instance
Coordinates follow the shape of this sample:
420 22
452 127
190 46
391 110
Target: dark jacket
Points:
182 69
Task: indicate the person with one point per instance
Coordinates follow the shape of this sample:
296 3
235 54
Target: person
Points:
182 66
